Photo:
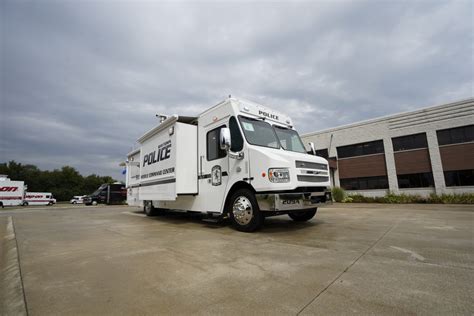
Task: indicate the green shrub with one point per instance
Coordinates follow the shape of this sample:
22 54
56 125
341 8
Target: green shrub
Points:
434 198
463 198
347 199
338 194
392 198
359 198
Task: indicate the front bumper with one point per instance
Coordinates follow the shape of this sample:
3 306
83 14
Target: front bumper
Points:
292 201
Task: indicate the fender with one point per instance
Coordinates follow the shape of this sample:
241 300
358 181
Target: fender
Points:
237 185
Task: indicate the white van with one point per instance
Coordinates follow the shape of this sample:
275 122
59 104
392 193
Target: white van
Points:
237 160
39 198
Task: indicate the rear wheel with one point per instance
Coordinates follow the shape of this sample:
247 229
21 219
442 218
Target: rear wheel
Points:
244 212
24 204
148 208
303 216
94 203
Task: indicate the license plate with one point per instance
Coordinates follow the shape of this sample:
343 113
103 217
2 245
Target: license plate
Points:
290 202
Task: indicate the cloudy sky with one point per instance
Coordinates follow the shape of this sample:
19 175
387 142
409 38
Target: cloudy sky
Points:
82 80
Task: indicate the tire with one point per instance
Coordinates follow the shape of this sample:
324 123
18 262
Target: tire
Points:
1 204
94 203
50 203
303 216
244 212
24 204
148 208
74 202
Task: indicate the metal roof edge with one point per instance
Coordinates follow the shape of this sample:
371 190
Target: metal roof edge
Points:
389 117
133 152
166 123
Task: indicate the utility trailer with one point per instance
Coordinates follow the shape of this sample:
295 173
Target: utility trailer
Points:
237 160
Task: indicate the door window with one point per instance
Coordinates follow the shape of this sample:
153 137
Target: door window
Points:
213 149
237 141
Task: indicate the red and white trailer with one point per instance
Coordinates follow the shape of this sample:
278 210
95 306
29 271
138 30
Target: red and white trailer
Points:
12 193
39 198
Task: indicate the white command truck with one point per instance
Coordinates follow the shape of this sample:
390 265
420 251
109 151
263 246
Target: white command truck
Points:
12 193
237 160
39 198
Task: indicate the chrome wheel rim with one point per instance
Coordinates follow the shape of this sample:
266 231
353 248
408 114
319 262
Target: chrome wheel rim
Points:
242 210
147 207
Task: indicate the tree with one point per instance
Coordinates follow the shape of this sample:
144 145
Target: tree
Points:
64 183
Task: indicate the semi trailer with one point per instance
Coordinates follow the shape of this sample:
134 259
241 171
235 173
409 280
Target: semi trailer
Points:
114 193
238 160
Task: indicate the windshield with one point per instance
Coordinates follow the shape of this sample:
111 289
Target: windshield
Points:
103 186
259 132
289 139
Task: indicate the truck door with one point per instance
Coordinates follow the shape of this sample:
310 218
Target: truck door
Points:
238 168
213 173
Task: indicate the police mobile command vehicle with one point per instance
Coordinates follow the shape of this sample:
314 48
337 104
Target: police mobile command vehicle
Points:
237 160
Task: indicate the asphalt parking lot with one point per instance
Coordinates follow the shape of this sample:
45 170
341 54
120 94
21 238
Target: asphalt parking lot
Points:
350 259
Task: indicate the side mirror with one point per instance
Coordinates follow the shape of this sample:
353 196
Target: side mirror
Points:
311 145
224 141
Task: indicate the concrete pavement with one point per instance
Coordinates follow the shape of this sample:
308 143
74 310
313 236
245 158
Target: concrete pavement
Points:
350 259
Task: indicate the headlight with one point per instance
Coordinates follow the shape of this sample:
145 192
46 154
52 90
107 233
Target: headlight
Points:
279 175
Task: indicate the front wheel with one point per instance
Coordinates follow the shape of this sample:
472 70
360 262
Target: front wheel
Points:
303 216
94 203
244 212
24 204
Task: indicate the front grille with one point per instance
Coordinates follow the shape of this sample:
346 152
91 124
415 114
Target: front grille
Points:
311 165
313 178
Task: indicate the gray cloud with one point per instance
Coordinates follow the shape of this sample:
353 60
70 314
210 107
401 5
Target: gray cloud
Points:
81 81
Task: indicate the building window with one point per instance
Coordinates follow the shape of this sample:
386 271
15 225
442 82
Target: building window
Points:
415 180
463 134
409 142
214 150
367 183
322 153
459 178
369 148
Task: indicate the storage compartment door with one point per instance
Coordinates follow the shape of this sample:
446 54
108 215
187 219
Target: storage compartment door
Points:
157 168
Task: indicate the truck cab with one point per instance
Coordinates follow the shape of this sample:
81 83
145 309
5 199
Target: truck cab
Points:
243 161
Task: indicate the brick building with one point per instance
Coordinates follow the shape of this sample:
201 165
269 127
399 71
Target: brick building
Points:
419 152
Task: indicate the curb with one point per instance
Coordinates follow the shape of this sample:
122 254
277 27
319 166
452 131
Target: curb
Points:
12 299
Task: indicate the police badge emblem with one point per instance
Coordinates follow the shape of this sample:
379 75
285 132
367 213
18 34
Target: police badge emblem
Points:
216 175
